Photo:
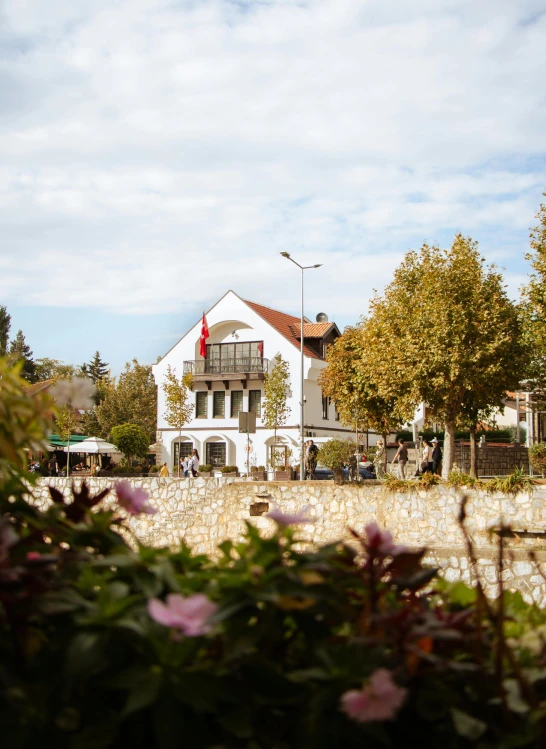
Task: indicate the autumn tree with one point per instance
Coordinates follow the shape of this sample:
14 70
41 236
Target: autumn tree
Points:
19 350
178 408
5 325
446 333
53 369
275 409
534 306
350 380
131 399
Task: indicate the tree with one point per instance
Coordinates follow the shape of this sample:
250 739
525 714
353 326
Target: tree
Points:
178 408
130 400
5 325
96 369
334 454
534 307
68 421
20 351
53 369
446 333
275 407
350 381
131 439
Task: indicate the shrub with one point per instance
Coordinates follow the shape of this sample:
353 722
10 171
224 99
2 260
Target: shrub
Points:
537 457
154 468
229 469
334 454
261 468
515 482
205 468
131 439
457 478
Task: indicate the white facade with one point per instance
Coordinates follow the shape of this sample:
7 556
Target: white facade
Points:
217 439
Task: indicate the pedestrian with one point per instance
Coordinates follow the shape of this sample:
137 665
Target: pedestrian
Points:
436 456
194 463
379 459
184 465
164 471
52 465
426 462
312 452
402 458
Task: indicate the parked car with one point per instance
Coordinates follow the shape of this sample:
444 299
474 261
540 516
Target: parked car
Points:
366 471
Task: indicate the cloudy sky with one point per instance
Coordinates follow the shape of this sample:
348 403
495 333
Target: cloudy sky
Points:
155 153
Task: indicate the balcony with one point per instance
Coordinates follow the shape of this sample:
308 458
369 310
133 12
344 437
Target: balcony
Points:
213 370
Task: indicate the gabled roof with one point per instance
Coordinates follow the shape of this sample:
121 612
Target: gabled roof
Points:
283 324
37 387
314 329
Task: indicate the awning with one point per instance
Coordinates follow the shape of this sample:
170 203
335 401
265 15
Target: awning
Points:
56 442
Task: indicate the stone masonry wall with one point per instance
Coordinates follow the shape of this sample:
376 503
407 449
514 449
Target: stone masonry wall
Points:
204 512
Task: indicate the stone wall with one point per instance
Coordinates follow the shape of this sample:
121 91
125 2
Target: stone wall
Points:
204 512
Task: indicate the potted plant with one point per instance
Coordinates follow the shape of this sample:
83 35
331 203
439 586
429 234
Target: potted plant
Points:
537 457
229 471
284 474
257 473
205 471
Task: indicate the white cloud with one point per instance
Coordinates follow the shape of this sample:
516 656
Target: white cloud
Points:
159 152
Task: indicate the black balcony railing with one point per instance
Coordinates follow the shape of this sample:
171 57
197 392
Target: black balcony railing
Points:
243 365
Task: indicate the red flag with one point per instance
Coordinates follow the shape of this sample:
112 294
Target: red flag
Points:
204 336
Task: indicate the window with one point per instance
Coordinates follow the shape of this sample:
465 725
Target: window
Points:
201 404
235 357
216 454
255 402
218 404
325 404
236 403
183 450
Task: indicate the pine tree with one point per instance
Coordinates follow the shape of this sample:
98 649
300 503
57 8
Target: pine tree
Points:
97 369
20 350
5 325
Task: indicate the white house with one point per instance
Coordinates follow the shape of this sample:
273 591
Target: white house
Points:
244 339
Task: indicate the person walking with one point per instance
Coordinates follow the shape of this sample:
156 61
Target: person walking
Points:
379 459
402 458
426 462
185 465
164 471
52 466
312 452
194 463
436 456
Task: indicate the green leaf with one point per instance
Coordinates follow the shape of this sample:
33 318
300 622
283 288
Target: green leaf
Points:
467 726
144 692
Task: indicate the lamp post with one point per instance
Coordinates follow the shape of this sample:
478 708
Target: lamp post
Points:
302 400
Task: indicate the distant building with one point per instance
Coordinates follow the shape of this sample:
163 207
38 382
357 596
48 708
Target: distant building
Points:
244 339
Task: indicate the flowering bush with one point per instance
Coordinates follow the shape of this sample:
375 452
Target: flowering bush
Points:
108 645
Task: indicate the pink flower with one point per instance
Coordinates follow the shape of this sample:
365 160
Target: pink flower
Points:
284 520
133 500
381 542
190 615
379 700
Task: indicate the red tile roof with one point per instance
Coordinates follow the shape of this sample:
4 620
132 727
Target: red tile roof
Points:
284 324
37 387
313 329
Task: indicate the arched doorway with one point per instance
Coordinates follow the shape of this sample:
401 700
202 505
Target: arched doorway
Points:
181 448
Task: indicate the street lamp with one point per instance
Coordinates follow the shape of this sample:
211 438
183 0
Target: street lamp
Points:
302 399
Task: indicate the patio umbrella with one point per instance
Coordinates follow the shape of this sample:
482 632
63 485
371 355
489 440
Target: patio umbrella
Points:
94 446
